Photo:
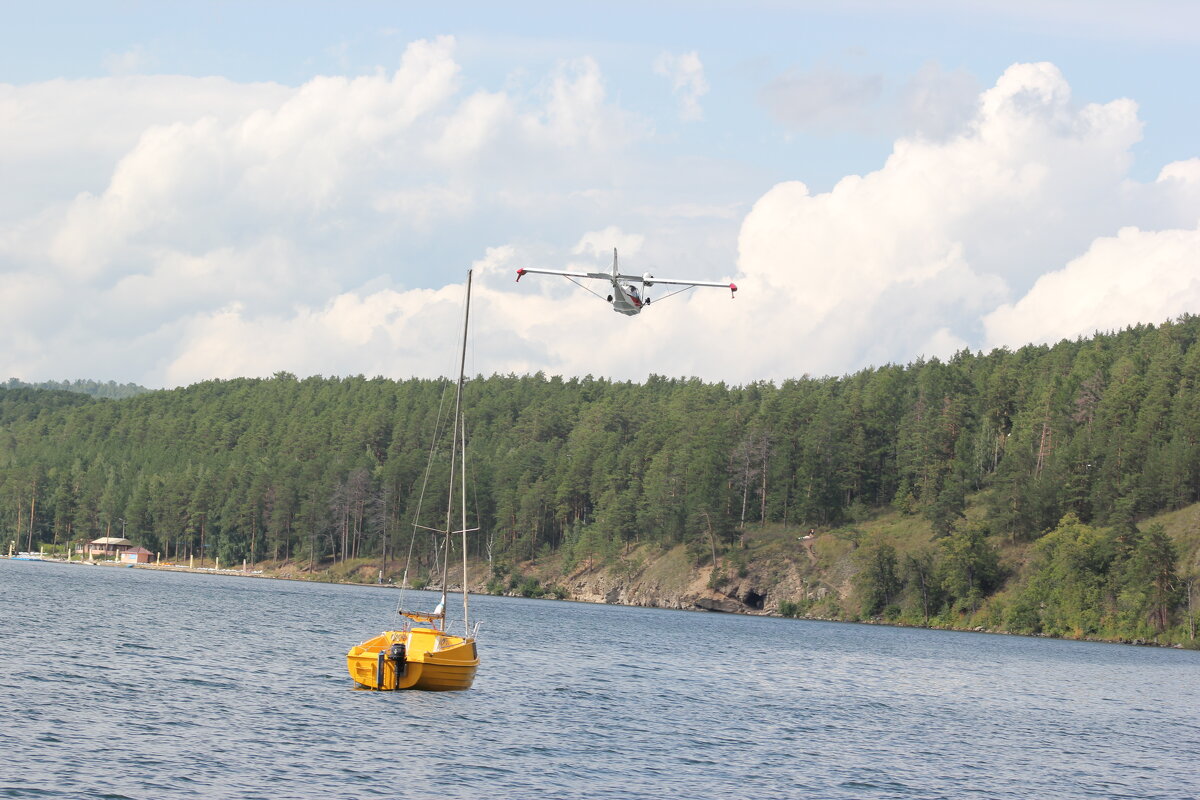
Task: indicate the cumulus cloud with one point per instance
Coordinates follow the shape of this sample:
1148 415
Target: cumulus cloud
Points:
336 159
601 243
1135 276
545 325
373 332
686 74
61 138
179 218
947 244
246 229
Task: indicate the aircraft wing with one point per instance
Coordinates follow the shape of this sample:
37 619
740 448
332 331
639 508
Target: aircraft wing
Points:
523 271
650 280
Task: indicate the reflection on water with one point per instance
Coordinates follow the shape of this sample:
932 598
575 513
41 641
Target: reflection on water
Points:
141 684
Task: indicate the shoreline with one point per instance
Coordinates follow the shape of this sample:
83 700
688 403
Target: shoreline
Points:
262 574
258 573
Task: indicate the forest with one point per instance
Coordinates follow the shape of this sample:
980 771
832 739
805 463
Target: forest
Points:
1059 449
109 389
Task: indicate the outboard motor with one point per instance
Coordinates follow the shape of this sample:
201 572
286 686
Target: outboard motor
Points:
398 655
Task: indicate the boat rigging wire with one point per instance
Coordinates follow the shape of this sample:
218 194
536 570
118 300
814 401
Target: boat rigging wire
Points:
437 435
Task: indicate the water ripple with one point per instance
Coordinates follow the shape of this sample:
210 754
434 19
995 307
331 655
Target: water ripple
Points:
217 687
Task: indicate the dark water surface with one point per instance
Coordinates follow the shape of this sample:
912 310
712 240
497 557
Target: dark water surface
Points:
141 684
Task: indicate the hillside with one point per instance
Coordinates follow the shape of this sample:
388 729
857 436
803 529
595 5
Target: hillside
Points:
984 484
828 576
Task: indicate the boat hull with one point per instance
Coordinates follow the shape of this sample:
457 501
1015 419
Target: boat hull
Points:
431 661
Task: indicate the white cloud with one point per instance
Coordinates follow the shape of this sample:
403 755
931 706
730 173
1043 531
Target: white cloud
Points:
471 127
227 229
1135 276
917 257
369 334
199 215
576 111
60 138
1185 172
421 207
601 243
686 74
315 157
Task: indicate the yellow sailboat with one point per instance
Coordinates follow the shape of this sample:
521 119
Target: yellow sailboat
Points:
424 654
417 658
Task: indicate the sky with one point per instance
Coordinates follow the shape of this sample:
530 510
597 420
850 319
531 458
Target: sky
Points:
195 190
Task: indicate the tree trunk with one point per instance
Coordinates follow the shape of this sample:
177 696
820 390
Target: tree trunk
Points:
32 507
763 513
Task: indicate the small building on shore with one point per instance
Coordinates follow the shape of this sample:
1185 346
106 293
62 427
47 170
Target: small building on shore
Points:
108 547
136 555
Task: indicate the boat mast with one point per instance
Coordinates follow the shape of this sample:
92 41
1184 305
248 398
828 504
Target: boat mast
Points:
463 494
459 437
463 464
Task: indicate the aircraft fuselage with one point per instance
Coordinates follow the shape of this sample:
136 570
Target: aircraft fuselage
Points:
626 299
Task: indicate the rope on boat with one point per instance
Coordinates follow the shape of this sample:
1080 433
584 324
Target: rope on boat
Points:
437 435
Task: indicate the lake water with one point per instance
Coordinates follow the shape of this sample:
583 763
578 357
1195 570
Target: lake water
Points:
126 683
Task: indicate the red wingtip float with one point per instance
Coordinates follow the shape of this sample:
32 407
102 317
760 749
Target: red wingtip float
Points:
628 291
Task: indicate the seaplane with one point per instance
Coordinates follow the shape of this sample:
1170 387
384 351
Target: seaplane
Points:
626 297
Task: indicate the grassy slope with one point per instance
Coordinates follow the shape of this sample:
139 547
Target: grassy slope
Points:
817 574
777 565
830 562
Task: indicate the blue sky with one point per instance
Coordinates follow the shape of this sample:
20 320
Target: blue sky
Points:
1146 51
672 129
